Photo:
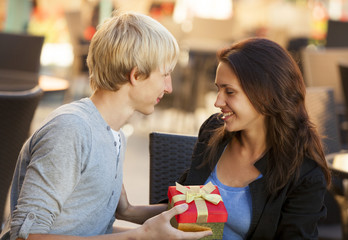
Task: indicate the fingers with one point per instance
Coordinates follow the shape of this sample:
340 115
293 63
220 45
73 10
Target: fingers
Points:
197 235
186 235
176 210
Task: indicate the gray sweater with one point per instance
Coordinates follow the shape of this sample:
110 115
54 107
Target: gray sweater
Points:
68 178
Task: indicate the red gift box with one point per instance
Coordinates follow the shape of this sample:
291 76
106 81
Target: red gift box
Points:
206 208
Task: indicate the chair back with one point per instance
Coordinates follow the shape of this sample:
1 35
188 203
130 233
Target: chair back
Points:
19 61
320 68
16 110
170 156
320 104
343 70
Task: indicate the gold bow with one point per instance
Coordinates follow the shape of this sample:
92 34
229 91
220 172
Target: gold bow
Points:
199 195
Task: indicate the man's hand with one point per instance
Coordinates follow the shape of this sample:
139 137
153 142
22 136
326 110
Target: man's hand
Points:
159 227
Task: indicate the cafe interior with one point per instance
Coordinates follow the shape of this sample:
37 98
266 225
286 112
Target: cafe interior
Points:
44 44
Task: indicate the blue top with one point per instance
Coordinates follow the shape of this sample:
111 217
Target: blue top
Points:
68 178
239 208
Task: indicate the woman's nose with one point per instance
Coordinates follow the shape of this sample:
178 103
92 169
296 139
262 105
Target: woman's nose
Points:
219 102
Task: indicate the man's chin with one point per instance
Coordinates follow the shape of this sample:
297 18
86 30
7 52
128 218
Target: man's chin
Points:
147 111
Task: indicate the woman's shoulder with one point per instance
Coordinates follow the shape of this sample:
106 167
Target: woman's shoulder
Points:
209 125
311 172
213 121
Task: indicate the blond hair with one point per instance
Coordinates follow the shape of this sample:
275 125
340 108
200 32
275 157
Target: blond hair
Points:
125 41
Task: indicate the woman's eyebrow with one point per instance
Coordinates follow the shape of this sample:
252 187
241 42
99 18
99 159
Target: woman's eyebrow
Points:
224 85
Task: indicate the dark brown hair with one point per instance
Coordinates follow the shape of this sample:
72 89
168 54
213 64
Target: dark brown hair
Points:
274 85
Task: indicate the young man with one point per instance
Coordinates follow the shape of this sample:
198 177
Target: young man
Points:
68 179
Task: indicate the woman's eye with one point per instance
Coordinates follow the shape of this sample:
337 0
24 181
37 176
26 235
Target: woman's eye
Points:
229 91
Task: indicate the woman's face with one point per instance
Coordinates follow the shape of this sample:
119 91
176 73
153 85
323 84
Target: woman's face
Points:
238 112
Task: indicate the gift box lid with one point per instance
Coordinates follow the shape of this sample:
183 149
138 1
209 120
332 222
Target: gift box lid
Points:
216 213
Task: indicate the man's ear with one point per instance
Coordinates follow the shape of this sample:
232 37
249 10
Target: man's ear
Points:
134 76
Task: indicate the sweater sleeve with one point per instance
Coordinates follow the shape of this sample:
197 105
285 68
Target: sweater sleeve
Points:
56 157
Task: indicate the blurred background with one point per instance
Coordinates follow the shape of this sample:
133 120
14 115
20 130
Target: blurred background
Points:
200 26
314 31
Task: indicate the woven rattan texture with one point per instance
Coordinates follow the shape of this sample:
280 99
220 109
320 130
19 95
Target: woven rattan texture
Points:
343 68
16 114
321 109
170 156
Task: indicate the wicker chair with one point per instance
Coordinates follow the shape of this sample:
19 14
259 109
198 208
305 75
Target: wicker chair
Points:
16 110
343 71
170 156
320 103
20 61
321 108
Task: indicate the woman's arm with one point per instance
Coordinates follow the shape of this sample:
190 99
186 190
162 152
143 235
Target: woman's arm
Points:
303 208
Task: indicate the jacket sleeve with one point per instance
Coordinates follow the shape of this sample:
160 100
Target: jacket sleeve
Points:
303 207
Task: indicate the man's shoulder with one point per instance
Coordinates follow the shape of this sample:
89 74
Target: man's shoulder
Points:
69 120
81 108
75 113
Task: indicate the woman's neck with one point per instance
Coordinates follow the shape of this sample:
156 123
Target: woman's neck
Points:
251 145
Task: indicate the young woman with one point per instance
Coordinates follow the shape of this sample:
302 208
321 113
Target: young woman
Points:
262 150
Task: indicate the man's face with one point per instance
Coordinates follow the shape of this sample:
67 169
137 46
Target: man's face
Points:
151 90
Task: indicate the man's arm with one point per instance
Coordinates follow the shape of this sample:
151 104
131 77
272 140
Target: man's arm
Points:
136 214
158 227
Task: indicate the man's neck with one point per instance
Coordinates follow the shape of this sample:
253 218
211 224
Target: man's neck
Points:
114 107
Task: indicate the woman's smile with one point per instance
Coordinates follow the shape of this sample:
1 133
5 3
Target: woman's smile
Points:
226 115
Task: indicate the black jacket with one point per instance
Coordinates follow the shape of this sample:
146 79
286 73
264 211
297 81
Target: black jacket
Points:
292 214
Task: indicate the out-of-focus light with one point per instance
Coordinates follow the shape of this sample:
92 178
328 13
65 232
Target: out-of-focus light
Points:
341 162
184 57
319 12
128 130
335 9
218 9
186 26
58 54
187 9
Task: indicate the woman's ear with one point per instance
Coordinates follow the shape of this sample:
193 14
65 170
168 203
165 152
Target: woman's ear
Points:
134 76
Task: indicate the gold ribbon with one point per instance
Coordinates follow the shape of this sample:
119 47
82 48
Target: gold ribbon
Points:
199 196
